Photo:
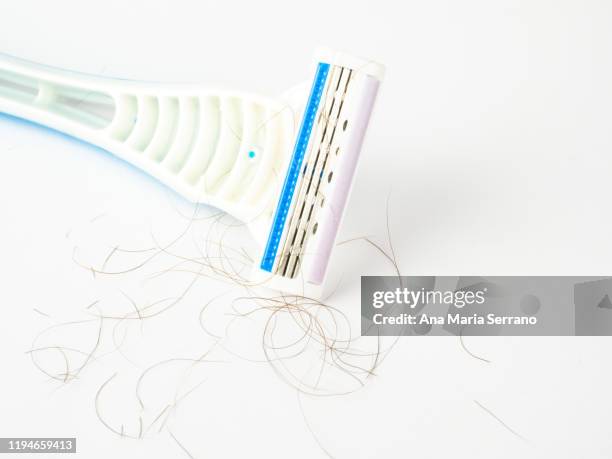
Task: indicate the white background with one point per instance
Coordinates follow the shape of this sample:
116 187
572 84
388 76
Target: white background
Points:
492 139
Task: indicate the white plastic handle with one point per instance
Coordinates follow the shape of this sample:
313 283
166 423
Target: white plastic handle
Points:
222 148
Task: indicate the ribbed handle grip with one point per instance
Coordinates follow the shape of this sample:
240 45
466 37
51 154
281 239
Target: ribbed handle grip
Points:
227 149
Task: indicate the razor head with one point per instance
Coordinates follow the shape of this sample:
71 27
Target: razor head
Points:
320 171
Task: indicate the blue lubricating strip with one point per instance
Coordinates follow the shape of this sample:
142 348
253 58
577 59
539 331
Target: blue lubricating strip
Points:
301 144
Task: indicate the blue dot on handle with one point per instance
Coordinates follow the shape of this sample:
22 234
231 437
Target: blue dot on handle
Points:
251 154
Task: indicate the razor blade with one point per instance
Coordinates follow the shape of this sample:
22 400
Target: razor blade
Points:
319 176
287 176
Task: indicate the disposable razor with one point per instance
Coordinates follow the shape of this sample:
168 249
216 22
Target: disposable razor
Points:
283 165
